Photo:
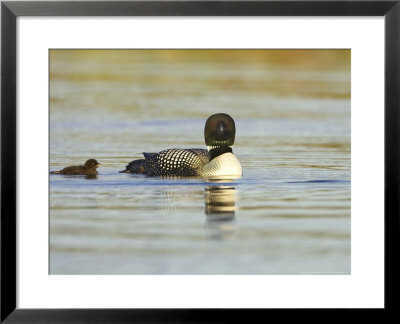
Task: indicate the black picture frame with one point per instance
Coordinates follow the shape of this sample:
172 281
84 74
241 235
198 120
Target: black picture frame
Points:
10 10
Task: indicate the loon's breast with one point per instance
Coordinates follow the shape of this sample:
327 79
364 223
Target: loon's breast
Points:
223 165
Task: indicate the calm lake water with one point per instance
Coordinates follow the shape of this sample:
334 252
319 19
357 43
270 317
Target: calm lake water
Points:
288 214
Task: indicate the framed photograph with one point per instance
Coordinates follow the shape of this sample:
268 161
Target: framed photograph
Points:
190 161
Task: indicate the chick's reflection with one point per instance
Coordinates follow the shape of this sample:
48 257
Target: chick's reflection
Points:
220 210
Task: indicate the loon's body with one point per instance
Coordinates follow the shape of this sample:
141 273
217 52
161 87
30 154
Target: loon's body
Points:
217 160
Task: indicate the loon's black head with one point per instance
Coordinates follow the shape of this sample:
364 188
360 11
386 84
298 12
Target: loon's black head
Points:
219 130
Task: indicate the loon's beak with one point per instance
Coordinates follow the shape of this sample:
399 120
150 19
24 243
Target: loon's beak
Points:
221 128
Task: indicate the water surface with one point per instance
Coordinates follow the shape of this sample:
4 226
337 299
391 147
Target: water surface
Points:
288 214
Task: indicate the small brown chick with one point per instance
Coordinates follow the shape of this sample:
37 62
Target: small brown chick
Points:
89 168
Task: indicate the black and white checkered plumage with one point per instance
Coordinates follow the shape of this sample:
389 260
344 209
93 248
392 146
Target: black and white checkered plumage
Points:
171 162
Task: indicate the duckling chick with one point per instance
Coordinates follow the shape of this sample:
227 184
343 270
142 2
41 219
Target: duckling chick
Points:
89 168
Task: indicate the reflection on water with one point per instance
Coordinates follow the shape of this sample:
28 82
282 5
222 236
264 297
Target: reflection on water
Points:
220 206
220 203
288 214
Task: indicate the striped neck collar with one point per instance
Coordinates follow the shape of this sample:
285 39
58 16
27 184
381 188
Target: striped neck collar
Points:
214 151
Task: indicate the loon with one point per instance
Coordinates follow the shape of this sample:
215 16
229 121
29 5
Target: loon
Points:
217 160
89 168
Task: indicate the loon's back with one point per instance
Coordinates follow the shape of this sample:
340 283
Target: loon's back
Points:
170 162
